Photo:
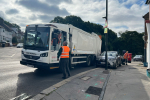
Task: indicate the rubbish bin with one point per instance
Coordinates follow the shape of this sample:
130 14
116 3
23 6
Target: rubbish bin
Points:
145 64
3 45
130 57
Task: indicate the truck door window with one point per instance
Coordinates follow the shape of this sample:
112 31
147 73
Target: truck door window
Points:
55 39
63 37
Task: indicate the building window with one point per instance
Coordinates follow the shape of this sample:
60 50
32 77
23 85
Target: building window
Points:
3 30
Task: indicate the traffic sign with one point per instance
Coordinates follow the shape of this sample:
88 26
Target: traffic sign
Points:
105 30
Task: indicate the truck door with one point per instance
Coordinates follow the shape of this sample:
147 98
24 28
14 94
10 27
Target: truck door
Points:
55 45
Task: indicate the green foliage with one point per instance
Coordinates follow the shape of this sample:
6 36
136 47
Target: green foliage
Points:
11 24
14 40
131 41
22 41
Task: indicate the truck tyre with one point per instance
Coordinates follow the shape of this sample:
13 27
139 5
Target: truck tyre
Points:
93 61
88 61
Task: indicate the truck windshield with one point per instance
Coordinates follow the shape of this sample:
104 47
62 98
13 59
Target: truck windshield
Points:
37 39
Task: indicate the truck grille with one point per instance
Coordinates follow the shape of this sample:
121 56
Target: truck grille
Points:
32 57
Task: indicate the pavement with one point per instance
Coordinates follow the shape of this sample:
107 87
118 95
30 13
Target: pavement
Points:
125 83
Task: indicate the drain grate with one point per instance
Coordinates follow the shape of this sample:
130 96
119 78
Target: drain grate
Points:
94 90
106 72
85 78
132 68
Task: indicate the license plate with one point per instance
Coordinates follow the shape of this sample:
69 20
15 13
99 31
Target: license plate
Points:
30 65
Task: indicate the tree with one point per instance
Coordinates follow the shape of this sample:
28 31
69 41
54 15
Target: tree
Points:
14 40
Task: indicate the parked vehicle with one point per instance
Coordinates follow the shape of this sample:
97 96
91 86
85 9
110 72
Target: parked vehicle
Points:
40 50
138 58
114 59
19 45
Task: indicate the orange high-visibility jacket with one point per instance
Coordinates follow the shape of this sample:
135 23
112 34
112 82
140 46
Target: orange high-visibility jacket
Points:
65 52
126 55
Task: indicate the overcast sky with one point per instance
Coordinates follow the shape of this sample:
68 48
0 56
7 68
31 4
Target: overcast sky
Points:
122 14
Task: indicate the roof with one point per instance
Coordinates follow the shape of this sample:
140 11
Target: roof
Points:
5 26
1 26
146 16
147 2
64 27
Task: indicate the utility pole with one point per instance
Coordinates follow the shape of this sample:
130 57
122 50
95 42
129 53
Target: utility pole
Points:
106 35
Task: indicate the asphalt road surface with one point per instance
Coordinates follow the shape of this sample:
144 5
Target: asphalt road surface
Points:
16 79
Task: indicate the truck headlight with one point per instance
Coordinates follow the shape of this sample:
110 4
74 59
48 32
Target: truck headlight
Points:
44 54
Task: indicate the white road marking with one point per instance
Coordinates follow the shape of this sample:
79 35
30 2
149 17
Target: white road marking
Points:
8 56
12 55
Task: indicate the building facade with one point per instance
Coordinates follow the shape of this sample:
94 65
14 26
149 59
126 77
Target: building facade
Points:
5 32
148 38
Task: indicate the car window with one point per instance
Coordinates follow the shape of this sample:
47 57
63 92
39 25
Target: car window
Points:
109 54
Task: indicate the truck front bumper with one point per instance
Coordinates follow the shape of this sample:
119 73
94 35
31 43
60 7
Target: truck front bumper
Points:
39 64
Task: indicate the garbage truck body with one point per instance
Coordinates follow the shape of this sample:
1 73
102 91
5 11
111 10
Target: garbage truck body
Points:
43 41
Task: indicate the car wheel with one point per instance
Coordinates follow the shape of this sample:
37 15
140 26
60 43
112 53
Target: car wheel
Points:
120 64
115 65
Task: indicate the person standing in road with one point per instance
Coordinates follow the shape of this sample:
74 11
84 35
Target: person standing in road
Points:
126 56
64 53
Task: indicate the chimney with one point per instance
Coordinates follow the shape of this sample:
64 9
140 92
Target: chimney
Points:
1 21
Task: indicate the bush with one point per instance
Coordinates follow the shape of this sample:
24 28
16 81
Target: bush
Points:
14 40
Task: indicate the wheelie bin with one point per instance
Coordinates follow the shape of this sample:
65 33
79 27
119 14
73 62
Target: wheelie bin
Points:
130 57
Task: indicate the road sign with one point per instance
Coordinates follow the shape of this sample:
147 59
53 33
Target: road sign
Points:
105 30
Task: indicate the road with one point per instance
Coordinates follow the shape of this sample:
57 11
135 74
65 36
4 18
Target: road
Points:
16 79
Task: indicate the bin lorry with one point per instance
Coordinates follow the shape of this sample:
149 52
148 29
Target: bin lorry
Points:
43 41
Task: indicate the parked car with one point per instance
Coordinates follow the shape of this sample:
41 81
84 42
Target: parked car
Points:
10 44
138 58
19 45
114 59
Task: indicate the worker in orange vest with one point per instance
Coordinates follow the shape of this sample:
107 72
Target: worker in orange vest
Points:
64 53
126 56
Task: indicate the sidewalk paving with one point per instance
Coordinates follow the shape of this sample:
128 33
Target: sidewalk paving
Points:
85 86
130 84
125 83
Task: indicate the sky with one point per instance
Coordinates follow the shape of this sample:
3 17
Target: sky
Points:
122 14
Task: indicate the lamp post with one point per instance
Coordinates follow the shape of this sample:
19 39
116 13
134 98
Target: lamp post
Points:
106 35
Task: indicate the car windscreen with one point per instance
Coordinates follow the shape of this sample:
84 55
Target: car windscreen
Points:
109 54
37 39
138 56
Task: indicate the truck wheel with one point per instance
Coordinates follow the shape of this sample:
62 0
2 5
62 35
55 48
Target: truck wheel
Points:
93 61
88 61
